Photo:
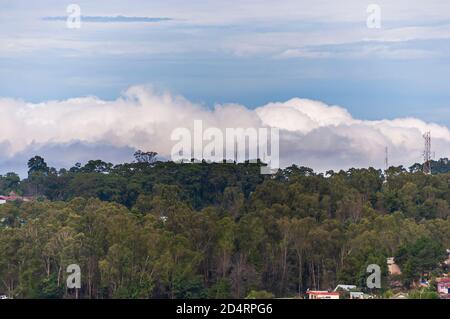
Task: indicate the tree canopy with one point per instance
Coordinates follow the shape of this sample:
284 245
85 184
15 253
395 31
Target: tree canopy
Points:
152 229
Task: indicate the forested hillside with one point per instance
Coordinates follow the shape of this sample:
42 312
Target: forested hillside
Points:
164 230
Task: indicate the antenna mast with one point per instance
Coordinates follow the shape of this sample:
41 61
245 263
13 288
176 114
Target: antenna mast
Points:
386 159
427 153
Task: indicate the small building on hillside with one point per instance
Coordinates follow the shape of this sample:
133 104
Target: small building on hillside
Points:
394 269
13 197
350 292
394 273
344 287
322 294
357 295
443 287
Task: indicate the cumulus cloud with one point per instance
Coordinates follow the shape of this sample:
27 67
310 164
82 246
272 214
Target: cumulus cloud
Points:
312 133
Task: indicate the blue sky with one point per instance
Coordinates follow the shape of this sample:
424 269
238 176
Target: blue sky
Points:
238 52
245 52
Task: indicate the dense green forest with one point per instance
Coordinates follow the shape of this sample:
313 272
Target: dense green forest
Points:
152 229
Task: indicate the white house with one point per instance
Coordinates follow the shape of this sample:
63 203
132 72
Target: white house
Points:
357 295
344 287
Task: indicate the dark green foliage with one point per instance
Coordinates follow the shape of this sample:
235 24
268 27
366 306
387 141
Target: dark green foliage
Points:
37 165
221 289
423 255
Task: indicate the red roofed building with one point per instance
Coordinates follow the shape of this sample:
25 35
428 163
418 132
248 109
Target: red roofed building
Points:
443 286
322 294
12 197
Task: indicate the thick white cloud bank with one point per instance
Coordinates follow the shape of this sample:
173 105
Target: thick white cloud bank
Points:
311 133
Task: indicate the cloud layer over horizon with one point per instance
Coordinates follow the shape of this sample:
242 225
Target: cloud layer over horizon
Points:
238 51
312 133
110 19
